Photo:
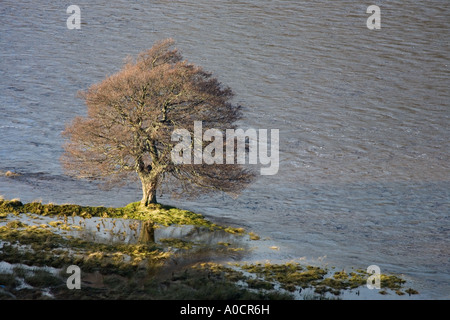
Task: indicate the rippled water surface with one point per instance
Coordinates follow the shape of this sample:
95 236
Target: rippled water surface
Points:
363 116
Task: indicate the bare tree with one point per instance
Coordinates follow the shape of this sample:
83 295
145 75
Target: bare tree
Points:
131 116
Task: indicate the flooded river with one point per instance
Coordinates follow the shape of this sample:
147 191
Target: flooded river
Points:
364 175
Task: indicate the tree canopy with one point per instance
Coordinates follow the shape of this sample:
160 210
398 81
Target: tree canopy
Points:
131 116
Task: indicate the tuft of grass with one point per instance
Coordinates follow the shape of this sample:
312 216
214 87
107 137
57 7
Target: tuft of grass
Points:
253 236
43 279
9 174
259 284
411 291
15 224
340 275
391 281
177 243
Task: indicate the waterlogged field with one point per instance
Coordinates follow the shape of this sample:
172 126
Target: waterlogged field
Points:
364 140
162 253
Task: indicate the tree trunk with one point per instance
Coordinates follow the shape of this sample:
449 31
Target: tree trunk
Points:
149 186
147 234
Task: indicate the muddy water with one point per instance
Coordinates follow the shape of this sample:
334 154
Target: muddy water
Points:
363 116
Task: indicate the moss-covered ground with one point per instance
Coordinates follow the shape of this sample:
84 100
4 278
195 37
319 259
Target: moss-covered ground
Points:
158 213
39 254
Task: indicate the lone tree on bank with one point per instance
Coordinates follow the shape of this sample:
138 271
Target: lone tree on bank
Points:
131 116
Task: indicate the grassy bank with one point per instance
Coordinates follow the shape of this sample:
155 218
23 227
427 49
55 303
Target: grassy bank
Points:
158 213
35 256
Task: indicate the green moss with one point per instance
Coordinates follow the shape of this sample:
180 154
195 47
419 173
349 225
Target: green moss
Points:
177 243
167 216
15 224
411 291
292 276
55 223
259 284
11 206
289 274
269 269
357 279
235 230
334 283
341 275
391 281
322 289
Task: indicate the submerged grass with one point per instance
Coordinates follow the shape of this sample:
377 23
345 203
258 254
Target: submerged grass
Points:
120 271
148 270
295 277
41 247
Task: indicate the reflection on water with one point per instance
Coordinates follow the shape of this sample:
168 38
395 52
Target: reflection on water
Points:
363 116
204 244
